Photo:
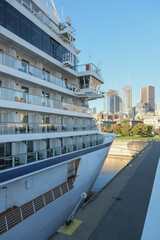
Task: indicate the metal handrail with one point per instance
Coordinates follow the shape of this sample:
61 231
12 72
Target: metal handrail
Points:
35 71
97 142
19 214
47 101
25 128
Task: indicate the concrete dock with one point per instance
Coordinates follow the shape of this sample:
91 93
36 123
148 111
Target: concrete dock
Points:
119 210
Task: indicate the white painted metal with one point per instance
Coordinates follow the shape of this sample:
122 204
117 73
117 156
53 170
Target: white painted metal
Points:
151 229
3 199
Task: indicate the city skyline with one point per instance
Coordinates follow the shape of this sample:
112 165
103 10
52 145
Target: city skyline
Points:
122 38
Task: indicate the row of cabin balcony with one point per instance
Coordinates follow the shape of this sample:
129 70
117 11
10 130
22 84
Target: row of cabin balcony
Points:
35 117
88 82
40 97
25 128
23 123
38 71
21 153
84 82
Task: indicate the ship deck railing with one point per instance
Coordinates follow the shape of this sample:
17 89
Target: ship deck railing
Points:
24 67
25 128
15 160
14 216
10 94
88 67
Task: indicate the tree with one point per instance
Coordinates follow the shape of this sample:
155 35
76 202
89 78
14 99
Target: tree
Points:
142 129
126 130
136 130
116 128
125 122
104 129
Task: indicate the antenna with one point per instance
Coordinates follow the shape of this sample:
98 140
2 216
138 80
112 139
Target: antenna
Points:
129 79
62 11
89 48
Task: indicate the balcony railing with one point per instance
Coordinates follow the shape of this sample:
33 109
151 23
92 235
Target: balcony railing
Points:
25 128
23 97
88 67
14 63
26 158
14 216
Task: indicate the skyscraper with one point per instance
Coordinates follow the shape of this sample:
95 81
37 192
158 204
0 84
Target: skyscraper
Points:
112 101
148 97
127 98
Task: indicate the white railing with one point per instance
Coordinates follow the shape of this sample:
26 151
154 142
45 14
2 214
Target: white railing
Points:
19 214
21 66
29 157
88 67
25 128
20 96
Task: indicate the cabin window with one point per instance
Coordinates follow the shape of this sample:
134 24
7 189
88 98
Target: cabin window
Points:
36 36
2 12
45 43
25 29
5 149
30 146
12 19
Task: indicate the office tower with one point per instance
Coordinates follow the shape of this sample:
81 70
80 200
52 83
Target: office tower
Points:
127 98
148 97
94 110
112 101
140 107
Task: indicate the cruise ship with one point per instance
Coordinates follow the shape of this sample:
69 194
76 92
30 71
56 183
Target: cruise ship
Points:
51 150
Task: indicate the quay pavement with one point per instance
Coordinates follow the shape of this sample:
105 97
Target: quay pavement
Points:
119 210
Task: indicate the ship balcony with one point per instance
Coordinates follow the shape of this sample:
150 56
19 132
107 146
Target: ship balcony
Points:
68 33
21 66
15 160
68 59
27 128
90 93
27 98
89 70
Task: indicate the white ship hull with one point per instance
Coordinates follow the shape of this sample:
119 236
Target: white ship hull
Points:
47 220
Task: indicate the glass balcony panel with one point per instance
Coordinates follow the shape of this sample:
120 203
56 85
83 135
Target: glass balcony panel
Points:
12 62
31 157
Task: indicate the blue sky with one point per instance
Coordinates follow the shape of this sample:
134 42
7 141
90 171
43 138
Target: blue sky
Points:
124 35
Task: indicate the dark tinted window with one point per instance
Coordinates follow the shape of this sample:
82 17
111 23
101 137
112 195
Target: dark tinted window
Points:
2 12
45 43
12 19
36 36
25 29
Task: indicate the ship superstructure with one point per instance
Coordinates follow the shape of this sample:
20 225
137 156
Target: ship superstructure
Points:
50 147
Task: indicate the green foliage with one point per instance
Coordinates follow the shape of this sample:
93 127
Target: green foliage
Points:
126 130
116 128
159 131
104 129
125 122
140 130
